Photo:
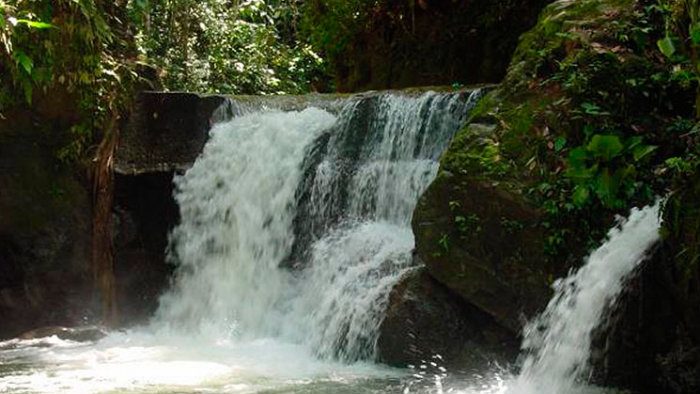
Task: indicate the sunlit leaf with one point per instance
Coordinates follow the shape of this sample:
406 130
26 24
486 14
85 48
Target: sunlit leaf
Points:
666 46
36 25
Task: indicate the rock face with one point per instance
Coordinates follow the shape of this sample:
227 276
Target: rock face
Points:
484 244
652 342
165 132
424 322
144 213
44 231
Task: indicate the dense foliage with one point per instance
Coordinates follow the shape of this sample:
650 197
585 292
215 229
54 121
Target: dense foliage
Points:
66 50
593 117
91 55
226 46
332 24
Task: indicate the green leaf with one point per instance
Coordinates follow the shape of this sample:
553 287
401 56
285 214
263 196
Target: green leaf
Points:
666 46
559 144
633 142
605 146
606 188
578 157
695 33
36 25
25 61
581 195
642 151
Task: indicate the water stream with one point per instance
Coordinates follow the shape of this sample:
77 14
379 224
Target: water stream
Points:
294 228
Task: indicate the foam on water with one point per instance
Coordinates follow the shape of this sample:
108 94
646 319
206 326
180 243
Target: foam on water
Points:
143 362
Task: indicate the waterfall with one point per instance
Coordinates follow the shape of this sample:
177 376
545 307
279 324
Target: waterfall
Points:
294 228
558 342
296 225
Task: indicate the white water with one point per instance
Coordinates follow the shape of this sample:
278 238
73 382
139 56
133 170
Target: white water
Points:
238 207
341 189
236 321
558 342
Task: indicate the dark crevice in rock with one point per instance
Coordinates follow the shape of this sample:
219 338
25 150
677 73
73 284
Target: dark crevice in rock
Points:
145 213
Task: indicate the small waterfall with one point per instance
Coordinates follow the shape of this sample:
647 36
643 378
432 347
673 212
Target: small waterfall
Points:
558 342
296 225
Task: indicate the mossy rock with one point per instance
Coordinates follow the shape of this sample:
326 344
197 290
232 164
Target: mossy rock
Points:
682 230
504 173
483 242
425 323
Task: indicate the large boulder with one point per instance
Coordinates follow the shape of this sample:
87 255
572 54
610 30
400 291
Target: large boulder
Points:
425 324
652 342
44 230
483 242
503 218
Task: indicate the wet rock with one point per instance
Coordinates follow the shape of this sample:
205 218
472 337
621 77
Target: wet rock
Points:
425 323
482 241
652 341
78 334
165 132
144 214
44 230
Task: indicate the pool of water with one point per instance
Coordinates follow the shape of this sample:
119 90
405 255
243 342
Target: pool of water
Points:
146 362
138 362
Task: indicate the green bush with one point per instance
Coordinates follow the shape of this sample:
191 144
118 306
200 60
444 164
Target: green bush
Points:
605 167
76 49
226 46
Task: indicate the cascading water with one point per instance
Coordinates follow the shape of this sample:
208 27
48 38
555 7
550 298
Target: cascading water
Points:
294 228
333 194
558 342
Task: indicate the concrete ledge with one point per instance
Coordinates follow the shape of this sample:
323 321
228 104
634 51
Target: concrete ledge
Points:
166 132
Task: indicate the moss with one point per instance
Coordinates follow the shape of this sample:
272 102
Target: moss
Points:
588 67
